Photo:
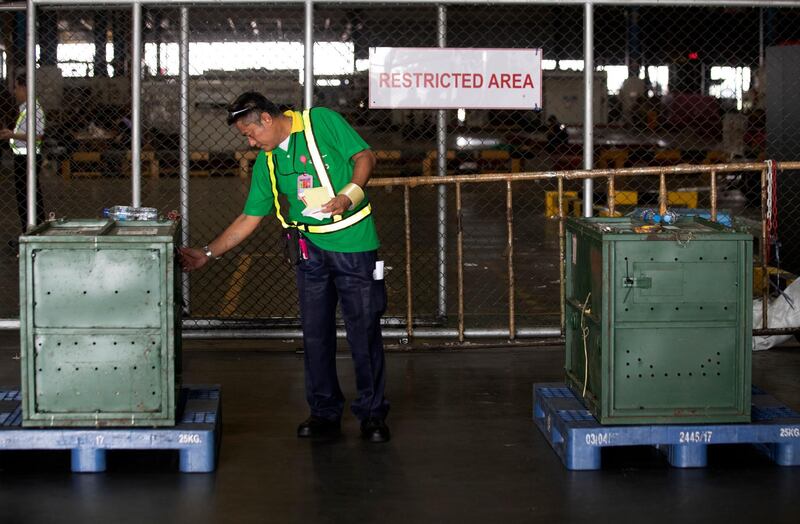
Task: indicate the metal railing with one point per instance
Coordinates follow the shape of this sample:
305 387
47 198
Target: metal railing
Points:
610 175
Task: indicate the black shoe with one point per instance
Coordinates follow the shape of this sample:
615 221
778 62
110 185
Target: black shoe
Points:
375 430
316 427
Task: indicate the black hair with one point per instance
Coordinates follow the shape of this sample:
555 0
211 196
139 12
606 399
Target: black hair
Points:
249 103
22 79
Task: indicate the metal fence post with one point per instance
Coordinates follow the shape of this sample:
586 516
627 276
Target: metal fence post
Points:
308 91
136 106
441 143
30 51
184 140
588 104
760 37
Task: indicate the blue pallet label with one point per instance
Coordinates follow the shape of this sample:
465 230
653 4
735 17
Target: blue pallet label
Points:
600 438
790 432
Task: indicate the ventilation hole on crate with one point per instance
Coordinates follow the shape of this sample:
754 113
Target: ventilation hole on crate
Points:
676 259
58 369
627 363
652 309
640 375
153 342
718 362
58 343
94 343
115 368
666 374
40 370
704 374
639 359
77 369
701 258
116 292
134 367
627 351
48 292
132 343
652 375
154 367
718 374
677 308
115 343
709 360
154 393
84 292
717 353
701 308
75 343
679 374
148 291
725 308
724 258
702 365
651 366
651 259
627 376
626 309
97 369
690 373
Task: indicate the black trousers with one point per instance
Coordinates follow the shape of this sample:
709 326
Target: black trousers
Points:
21 190
324 279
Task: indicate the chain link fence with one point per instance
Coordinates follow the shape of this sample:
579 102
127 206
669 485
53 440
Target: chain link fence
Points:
672 85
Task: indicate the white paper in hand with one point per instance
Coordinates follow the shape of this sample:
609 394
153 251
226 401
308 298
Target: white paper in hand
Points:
315 213
314 198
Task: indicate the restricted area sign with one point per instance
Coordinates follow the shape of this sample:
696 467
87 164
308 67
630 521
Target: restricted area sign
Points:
450 78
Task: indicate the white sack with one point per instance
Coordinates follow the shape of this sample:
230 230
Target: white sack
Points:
781 315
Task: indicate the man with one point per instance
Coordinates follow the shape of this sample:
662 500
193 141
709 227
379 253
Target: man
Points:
17 140
317 152
631 93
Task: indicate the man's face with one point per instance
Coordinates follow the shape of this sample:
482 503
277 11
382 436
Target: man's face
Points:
262 134
20 93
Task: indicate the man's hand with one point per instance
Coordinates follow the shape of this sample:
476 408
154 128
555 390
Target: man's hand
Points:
192 259
337 205
5 134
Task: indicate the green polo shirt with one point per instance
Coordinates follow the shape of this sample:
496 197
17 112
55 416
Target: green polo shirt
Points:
337 143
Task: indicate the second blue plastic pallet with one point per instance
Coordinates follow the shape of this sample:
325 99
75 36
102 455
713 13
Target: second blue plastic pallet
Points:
577 437
196 436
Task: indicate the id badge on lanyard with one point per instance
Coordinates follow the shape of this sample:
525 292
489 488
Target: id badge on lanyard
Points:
304 181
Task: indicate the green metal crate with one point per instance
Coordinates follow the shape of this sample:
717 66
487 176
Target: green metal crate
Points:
663 319
100 323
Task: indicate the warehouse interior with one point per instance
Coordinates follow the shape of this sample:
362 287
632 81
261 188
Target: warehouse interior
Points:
497 281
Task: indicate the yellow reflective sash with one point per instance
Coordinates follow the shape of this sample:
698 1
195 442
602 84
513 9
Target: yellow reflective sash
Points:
15 144
338 222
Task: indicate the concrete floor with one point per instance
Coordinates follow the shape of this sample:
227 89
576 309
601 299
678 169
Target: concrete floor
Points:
464 450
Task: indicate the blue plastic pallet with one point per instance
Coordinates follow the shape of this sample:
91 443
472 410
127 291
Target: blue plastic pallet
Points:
577 437
195 436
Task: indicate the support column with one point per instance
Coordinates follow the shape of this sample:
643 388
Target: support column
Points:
588 105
